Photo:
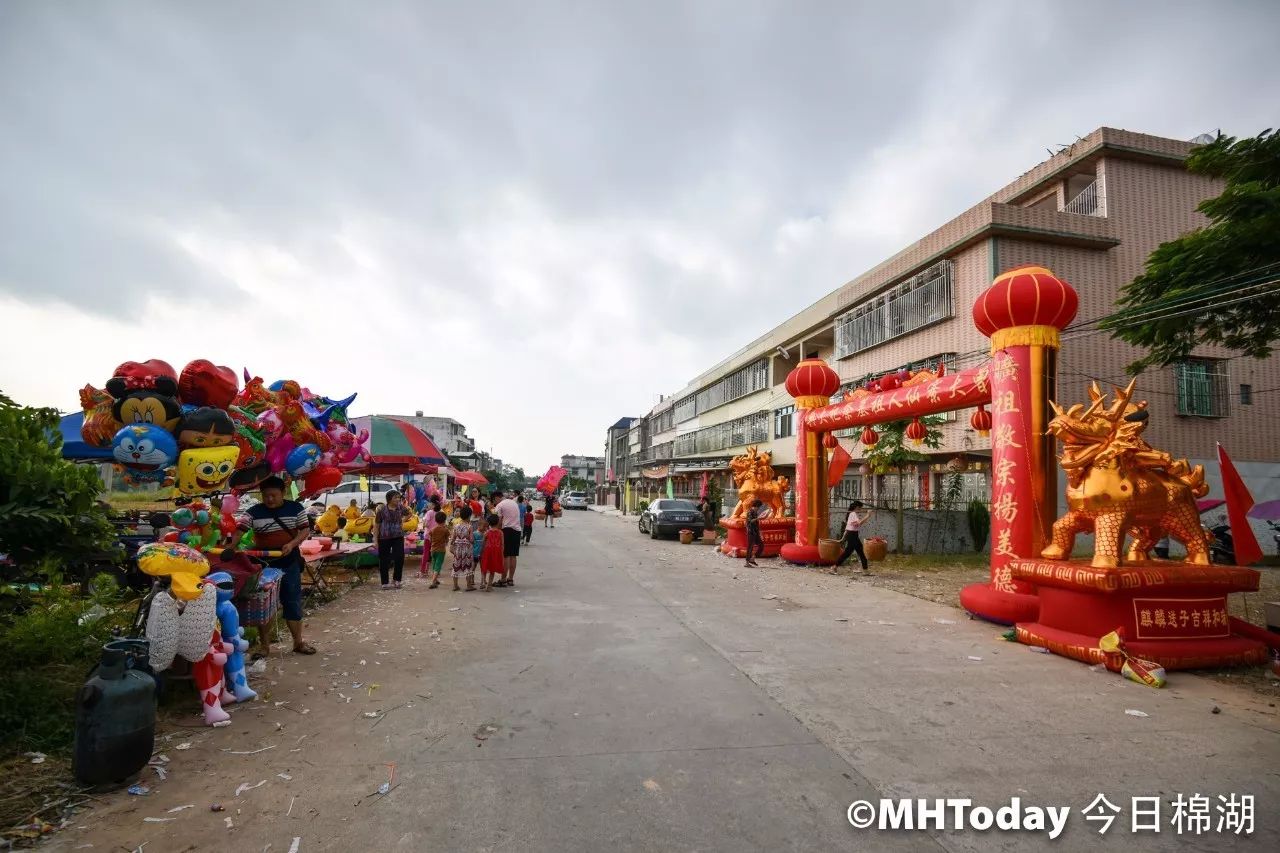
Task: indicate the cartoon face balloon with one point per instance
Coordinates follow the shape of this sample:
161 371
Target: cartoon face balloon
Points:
206 427
206 469
144 447
302 460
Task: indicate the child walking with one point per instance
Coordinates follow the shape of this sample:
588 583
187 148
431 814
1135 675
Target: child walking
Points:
491 557
464 564
437 544
527 521
477 541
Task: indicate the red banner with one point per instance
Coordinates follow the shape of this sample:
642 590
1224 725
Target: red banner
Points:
1239 502
1181 618
840 460
954 391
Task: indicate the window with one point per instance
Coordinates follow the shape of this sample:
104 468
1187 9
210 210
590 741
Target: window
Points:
685 409
912 304
1201 388
749 429
783 422
664 421
1246 395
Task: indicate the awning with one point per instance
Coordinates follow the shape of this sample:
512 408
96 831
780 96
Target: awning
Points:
470 478
656 472
396 445
74 447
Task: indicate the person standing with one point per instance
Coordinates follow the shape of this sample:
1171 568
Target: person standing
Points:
550 507
462 547
852 535
508 512
388 524
528 524
281 525
755 543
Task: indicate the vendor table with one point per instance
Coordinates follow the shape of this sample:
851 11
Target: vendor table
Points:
316 563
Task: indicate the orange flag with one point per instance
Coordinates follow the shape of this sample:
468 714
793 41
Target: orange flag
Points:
840 460
1239 502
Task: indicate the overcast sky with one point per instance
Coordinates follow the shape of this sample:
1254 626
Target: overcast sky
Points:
531 217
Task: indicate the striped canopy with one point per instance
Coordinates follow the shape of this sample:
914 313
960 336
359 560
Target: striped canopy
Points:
399 445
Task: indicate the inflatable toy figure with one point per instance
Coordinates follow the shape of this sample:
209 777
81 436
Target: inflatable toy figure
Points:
411 522
327 523
144 453
206 470
254 397
1117 483
302 460
248 437
352 512
208 676
205 427
753 475
100 426
229 623
361 525
182 565
145 394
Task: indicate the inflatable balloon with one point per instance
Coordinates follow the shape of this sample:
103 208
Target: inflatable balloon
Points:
182 565
146 452
244 479
145 393
327 523
278 452
302 460
205 470
204 384
100 426
205 427
321 479
229 626
254 397
248 437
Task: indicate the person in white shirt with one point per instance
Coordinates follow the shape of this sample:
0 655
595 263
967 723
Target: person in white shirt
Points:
852 538
508 512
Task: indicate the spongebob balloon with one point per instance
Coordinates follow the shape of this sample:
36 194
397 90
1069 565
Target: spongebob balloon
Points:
204 470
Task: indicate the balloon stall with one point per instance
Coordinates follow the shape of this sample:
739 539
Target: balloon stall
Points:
202 433
550 481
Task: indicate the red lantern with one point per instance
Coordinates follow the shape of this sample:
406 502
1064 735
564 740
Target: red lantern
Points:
889 381
869 437
981 421
812 379
1026 296
916 431
830 442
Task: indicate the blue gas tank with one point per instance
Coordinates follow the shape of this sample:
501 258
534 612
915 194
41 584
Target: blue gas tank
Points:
115 715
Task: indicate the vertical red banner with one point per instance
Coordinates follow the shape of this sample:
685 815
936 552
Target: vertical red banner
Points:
1014 510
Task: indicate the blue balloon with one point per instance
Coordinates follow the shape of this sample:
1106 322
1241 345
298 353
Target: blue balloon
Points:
144 447
302 460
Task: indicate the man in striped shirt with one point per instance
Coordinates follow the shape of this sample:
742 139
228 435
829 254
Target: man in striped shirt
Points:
281 525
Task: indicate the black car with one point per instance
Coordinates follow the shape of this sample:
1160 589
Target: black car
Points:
668 516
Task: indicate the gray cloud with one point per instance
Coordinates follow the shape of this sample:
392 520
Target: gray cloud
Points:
562 180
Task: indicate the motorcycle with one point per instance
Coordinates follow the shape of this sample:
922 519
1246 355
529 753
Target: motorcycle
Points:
1222 550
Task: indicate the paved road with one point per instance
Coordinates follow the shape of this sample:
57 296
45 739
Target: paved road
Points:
634 695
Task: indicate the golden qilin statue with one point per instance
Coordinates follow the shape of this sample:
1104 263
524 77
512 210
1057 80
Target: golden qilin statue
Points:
753 475
1118 484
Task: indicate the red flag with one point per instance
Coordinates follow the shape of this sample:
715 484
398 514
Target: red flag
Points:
1239 502
840 460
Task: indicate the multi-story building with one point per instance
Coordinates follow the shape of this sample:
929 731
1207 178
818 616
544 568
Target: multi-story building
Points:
588 468
616 451
1091 213
449 435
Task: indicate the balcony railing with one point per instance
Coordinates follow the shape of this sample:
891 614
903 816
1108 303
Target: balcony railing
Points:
749 429
919 301
1090 201
657 453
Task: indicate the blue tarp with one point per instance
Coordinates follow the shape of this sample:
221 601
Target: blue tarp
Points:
74 447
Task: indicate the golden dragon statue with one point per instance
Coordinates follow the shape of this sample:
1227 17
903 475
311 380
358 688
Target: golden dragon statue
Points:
753 475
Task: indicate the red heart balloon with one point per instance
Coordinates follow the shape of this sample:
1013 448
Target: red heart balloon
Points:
203 383
321 479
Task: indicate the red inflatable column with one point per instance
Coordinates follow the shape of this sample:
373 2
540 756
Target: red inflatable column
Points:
811 383
1022 312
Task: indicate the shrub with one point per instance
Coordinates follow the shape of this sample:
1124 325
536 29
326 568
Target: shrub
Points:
643 505
979 523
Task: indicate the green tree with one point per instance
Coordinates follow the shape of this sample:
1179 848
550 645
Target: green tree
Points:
496 480
1217 284
894 452
49 514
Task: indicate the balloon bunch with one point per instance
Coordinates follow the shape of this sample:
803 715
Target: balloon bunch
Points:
203 528
551 480
199 431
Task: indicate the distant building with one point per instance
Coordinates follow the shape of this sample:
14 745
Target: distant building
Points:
616 452
589 468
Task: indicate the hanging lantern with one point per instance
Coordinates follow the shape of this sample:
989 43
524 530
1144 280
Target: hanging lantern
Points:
830 442
916 431
869 437
865 469
981 421
889 381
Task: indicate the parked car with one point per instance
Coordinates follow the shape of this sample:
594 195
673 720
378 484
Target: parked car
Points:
574 500
345 493
668 516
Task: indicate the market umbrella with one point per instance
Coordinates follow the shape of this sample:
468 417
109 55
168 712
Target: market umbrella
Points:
470 478
74 447
397 446
1265 511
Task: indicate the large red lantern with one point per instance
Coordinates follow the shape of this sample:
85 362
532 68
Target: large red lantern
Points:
869 437
916 431
981 421
1030 299
812 382
830 442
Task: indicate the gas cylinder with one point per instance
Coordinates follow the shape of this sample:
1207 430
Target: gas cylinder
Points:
115 716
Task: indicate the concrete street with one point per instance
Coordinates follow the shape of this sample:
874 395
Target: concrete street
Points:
638 695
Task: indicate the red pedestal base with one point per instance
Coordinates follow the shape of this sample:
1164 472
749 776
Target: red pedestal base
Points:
1172 613
985 601
803 555
776 532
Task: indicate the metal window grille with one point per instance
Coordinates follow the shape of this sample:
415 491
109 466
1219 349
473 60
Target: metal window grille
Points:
923 299
784 422
748 429
1201 388
1090 201
664 421
685 409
